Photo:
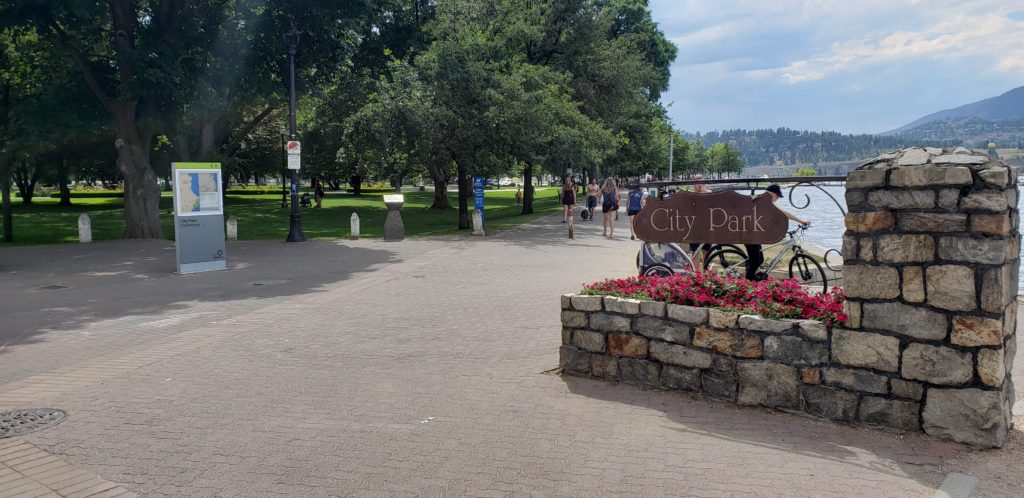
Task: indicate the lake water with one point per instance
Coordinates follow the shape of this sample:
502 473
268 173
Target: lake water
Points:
827 225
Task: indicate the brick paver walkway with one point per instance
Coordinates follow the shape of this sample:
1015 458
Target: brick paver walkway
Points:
414 368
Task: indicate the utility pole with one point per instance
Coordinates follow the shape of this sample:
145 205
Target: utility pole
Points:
671 144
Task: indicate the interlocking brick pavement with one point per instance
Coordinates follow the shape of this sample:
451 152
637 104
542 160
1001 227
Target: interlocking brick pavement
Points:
427 372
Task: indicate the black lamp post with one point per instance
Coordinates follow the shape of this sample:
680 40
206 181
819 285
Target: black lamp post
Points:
284 167
291 40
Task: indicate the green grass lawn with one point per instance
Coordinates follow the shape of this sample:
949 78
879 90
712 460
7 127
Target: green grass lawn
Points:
261 217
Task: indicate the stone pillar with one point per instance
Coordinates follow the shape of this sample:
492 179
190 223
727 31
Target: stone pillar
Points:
478 223
394 228
354 226
84 228
931 259
232 230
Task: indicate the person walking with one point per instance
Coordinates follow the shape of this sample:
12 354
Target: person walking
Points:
568 198
755 257
609 205
592 192
636 200
318 191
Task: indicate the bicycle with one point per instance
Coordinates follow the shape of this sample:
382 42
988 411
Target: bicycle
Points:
730 262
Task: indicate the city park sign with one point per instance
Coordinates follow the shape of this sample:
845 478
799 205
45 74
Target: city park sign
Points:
723 217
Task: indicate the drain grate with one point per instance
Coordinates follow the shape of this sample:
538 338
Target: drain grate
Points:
19 422
52 287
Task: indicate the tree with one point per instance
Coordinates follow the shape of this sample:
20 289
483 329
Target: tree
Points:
724 159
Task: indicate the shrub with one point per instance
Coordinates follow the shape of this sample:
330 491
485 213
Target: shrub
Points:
769 298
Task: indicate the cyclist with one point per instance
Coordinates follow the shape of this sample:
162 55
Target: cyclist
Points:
754 255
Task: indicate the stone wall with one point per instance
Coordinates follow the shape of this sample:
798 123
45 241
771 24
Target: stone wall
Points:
931 255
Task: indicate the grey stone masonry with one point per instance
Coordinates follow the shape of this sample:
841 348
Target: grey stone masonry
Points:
933 304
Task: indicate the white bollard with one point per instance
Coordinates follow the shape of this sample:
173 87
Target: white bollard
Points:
232 228
84 229
355 226
478 223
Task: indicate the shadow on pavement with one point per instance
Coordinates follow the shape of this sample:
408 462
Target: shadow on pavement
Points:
63 287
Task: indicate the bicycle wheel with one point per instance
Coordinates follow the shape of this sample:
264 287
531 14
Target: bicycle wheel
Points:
727 263
658 270
734 247
806 270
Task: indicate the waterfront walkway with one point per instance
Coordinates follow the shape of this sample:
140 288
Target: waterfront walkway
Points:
422 367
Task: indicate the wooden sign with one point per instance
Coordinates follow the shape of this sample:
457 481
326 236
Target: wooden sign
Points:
723 217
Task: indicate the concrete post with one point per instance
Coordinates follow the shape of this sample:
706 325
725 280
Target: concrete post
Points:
478 223
232 230
354 230
84 229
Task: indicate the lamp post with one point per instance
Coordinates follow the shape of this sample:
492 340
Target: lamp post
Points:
671 142
291 40
284 167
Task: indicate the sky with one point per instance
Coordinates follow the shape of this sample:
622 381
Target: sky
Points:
854 66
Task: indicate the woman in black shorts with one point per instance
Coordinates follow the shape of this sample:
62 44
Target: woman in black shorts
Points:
568 198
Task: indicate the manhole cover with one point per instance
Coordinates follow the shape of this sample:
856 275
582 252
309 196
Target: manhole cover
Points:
19 422
53 287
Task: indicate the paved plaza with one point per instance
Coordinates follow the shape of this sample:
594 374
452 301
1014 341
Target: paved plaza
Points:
371 368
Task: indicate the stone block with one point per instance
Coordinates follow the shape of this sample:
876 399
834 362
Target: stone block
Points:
730 343
853 311
1008 355
991 224
574 360
680 378
984 200
849 248
639 372
1010 320
863 349
997 176
587 303
991 369
951 287
566 301
902 199
813 330
856 380
976 331
1011 248
855 199
722 319
606 322
768 384
865 178
605 367
928 177
761 324
933 222
829 402
688 314
1011 198
810 376
904 319
913 284
937 364
794 351
905 248
627 345
871 221
969 250
913 157
589 340
867 250
971 416
575 319
949 198
566 336
656 328
959 159
906 389
620 305
652 308
720 380
871 282
890 413
679 355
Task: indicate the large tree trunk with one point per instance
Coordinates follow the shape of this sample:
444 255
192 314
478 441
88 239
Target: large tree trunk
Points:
62 181
141 190
528 189
356 182
26 181
464 189
5 199
437 175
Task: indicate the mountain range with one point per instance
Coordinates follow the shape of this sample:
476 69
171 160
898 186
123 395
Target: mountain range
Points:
1008 106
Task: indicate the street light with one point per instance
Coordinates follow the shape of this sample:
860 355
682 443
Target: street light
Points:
671 142
291 40
284 167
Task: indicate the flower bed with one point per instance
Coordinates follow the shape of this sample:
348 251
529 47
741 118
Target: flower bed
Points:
769 298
